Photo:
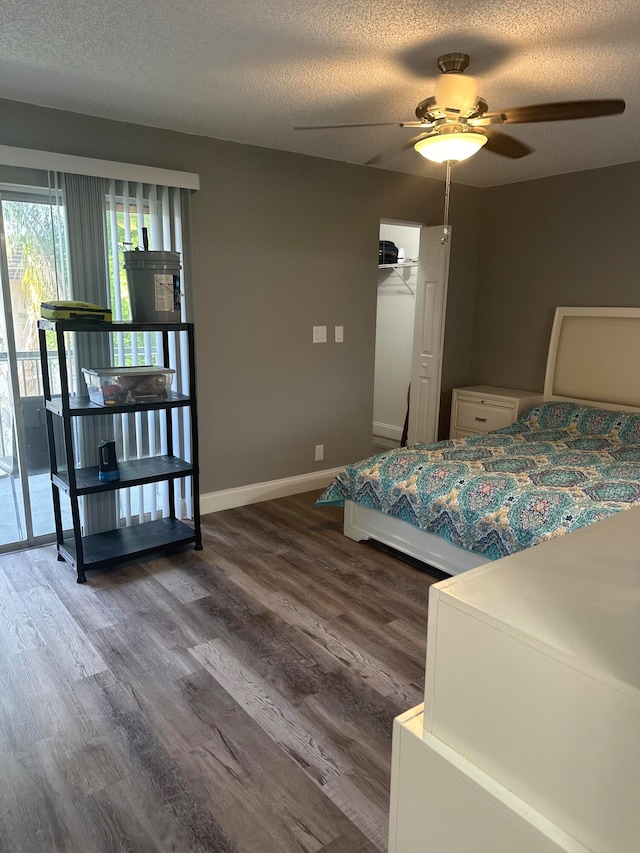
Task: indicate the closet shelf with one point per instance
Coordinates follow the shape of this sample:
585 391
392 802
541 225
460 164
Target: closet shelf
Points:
394 268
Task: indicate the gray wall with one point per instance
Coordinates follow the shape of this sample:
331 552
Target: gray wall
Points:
567 240
281 242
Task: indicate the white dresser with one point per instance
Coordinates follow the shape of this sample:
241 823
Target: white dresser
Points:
477 409
529 739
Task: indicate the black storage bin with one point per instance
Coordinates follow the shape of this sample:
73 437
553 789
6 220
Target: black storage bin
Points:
387 252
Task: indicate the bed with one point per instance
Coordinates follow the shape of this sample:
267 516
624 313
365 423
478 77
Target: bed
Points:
572 461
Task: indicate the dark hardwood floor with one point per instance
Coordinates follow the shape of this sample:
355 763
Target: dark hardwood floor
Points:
240 698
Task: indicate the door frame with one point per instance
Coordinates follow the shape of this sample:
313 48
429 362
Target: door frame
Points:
403 223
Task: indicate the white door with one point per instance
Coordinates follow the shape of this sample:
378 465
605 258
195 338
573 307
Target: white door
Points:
428 335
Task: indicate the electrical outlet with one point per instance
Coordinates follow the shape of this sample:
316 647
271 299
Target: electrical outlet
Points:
319 452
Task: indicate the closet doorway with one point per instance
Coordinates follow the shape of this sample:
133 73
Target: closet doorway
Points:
395 319
411 306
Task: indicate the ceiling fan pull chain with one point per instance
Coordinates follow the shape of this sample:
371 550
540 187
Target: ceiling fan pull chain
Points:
445 232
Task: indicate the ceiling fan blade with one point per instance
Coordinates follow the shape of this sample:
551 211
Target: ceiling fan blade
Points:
507 146
374 124
563 111
397 149
487 119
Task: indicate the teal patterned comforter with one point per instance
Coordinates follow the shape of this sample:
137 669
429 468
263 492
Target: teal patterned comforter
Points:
560 467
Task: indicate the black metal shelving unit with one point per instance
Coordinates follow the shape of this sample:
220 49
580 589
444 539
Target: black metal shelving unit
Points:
99 549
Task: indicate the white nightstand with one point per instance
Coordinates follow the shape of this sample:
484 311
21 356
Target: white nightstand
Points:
481 408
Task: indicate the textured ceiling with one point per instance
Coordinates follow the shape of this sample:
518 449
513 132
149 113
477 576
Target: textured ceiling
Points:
249 70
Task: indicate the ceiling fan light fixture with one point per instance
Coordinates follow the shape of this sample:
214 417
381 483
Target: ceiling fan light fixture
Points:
450 146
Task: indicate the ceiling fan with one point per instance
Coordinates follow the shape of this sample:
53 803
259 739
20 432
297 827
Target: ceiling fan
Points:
456 123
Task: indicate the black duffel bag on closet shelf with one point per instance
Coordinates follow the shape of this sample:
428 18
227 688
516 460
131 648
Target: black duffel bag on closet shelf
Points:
387 252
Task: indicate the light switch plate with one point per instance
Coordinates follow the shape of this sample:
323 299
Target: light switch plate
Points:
339 334
319 334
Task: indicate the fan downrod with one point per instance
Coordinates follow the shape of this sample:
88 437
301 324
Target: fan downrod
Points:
455 63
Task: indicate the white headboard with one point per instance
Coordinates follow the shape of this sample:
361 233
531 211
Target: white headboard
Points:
594 358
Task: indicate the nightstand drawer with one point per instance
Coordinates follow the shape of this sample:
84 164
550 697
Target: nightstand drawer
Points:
481 417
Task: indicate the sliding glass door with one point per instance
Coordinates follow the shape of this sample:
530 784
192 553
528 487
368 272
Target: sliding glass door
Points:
32 270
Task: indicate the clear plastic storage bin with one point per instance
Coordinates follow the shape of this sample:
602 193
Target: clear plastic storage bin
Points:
117 386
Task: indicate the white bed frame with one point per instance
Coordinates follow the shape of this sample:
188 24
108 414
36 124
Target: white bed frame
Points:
593 359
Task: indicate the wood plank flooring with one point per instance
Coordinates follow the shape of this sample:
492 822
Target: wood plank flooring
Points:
236 699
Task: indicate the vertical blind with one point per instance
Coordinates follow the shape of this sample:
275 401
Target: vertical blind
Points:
89 279
130 207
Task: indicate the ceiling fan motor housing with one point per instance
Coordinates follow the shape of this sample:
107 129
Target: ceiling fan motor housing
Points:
453 62
456 97
456 94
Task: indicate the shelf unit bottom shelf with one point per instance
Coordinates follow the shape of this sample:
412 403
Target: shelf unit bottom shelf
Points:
131 541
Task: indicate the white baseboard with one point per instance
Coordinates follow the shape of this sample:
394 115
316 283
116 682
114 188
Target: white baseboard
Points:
380 443
256 492
387 430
